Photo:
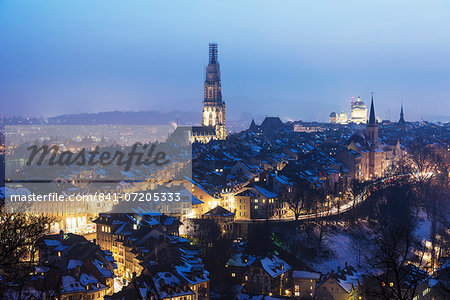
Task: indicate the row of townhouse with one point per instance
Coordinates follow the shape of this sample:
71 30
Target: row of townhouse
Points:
69 267
272 275
256 192
142 243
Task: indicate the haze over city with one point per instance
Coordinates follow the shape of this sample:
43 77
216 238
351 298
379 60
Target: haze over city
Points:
208 150
296 60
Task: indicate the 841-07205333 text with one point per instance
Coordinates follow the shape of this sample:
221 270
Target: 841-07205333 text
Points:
114 197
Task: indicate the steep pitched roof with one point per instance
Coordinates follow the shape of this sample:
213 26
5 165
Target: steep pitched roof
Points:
271 124
219 211
253 126
372 119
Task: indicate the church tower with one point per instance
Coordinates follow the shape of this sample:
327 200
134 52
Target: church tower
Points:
372 125
213 106
375 162
401 121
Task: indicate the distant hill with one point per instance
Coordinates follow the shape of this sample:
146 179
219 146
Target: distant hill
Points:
128 118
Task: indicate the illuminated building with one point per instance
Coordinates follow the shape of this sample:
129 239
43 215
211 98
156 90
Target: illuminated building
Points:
372 126
307 129
338 119
358 114
375 155
76 267
358 111
266 275
213 123
333 118
305 283
343 119
366 146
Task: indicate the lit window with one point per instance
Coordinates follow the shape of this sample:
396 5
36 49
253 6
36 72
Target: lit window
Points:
391 284
233 275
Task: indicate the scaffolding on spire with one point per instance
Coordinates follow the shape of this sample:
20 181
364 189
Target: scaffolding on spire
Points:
213 53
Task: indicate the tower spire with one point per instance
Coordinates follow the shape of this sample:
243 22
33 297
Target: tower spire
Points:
375 157
372 119
212 53
402 119
213 105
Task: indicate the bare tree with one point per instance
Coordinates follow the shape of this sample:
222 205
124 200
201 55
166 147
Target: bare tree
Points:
396 266
18 235
429 175
360 242
396 263
422 162
294 197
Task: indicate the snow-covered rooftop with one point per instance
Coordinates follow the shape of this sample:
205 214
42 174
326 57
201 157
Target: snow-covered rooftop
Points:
306 275
274 266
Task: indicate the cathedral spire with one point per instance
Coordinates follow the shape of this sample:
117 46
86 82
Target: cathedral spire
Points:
213 74
213 105
372 118
402 119
212 53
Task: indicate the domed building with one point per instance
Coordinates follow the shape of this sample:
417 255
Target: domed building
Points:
343 118
338 118
333 118
358 112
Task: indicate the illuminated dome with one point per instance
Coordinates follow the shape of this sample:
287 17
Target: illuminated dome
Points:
359 104
333 118
343 116
358 112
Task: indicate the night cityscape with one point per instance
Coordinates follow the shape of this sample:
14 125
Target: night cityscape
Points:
144 197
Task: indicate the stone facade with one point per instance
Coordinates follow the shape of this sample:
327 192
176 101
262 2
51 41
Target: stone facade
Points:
214 118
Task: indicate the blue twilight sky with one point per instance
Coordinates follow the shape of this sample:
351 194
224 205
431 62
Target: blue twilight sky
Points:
296 59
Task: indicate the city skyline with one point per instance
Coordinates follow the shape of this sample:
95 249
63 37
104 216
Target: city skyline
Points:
206 150
64 59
